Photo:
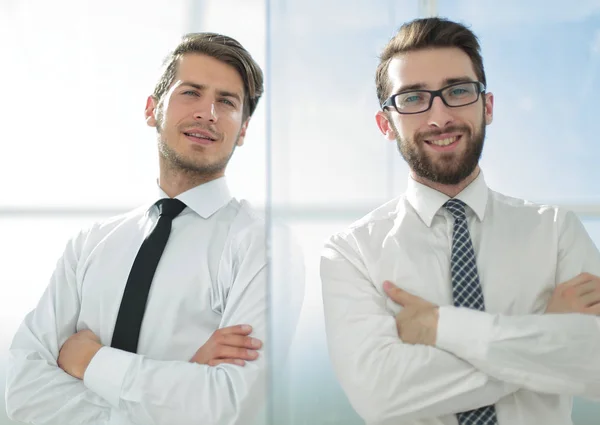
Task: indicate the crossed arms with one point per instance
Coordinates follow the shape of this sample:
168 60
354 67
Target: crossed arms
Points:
51 381
474 359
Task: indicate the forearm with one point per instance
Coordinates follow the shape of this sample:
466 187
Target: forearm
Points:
168 392
555 354
387 381
179 392
38 391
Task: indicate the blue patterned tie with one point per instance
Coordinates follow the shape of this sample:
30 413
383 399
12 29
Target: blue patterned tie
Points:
466 292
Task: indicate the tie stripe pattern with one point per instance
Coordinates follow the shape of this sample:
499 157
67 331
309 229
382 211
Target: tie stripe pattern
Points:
466 292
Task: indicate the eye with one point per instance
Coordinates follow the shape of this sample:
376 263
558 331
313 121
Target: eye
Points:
227 102
462 91
413 98
190 93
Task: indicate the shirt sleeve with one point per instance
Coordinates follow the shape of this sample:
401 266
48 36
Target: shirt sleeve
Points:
554 353
177 392
387 381
37 390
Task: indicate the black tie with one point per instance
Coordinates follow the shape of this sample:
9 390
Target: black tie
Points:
133 303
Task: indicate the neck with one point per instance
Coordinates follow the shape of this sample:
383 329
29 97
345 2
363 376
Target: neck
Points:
450 190
176 181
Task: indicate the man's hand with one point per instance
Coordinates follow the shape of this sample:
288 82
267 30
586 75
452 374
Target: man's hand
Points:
228 345
77 352
417 322
578 295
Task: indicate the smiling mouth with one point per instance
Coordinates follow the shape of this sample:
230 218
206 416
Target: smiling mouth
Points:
443 142
200 136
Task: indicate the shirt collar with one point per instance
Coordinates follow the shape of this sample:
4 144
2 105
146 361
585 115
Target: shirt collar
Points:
427 201
205 199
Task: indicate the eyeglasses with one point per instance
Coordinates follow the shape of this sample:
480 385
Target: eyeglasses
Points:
453 96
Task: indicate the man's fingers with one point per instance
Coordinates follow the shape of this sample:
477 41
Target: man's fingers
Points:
216 362
593 310
237 329
396 294
579 279
86 334
226 352
242 341
590 299
587 287
399 296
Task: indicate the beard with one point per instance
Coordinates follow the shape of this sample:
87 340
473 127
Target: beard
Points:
448 168
197 168
178 162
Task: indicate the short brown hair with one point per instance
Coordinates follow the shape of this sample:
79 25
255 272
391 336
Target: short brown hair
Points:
427 33
224 49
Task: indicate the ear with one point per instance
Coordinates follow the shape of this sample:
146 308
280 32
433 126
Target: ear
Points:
242 135
385 126
150 111
489 108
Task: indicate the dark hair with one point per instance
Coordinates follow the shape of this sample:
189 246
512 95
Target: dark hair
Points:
224 49
426 33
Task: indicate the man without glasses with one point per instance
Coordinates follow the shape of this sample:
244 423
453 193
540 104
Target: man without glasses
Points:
135 330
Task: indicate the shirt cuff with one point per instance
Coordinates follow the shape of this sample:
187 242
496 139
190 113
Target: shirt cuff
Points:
106 372
464 332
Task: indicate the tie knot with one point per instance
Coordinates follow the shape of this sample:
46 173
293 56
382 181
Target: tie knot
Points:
170 207
456 208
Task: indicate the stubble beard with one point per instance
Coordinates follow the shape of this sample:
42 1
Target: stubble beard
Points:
177 163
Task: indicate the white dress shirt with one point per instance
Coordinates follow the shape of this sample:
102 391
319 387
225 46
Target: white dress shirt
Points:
528 364
212 274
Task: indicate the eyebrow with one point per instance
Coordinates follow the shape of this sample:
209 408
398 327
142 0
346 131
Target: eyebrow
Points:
202 87
446 82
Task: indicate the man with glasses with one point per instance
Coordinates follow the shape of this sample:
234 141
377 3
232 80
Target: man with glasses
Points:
454 304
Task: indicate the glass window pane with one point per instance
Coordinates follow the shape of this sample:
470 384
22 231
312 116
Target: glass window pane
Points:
301 394
325 144
323 117
313 395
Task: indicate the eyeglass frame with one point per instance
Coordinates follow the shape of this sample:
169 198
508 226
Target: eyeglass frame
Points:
391 101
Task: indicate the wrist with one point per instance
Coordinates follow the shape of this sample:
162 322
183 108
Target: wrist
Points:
434 326
87 356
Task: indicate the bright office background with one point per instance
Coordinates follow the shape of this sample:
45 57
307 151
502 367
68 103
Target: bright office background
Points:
75 148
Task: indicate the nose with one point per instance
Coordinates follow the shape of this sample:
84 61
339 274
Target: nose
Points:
206 111
439 114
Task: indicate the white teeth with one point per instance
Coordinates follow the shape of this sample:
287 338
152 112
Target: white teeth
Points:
444 142
200 136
